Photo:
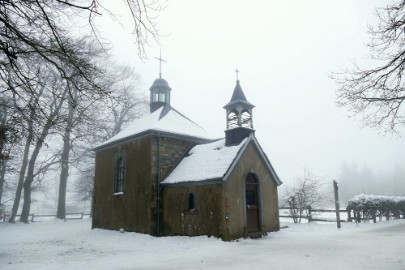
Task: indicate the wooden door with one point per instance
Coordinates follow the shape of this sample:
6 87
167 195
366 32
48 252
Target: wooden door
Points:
252 203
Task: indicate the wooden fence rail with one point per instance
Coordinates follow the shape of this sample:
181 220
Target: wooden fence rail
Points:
351 215
69 216
310 215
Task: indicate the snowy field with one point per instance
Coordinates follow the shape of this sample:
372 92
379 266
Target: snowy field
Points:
73 245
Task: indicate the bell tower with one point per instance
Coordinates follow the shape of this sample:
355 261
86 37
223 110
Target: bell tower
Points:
239 121
159 94
160 90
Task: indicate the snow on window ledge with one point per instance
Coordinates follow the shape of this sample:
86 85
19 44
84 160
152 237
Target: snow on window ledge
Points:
118 193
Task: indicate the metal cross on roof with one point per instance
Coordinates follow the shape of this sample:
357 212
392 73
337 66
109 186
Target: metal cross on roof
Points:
160 64
237 74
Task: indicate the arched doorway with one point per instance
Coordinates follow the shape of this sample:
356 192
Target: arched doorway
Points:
252 203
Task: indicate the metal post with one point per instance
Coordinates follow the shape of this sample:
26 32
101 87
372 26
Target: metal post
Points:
337 206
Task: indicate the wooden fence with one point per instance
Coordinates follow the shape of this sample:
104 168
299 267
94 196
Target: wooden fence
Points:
311 214
38 218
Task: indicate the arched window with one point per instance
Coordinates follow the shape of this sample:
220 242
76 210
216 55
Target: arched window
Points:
232 119
252 203
119 173
251 179
246 119
251 189
191 202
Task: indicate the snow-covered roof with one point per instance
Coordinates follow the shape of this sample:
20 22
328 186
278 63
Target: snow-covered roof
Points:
214 161
204 162
165 119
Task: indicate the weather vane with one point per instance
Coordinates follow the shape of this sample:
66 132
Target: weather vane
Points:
237 74
160 63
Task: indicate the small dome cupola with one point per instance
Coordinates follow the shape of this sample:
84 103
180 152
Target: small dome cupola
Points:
239 121
160 90
159 94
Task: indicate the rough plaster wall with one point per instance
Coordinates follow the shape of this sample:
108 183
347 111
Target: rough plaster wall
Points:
131 210
234 201
206 220
136 209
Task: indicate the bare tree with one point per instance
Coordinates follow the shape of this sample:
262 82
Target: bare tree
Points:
75 116
127 103
5 126
54 110
64 173
377 94
44 29
303 195
33 32
98 122
24 162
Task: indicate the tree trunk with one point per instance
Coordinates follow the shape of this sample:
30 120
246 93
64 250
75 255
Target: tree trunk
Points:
21 176
3 156
61 211
56 106
30 176
3 164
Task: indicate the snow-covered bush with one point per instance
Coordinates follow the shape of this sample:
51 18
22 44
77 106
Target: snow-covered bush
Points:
373 206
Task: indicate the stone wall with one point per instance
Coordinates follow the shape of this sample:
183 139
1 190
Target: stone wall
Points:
204 219
171 152
130 210
166 157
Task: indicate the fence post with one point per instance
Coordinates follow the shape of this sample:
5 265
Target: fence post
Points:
309 213
337 207
82 216
32 217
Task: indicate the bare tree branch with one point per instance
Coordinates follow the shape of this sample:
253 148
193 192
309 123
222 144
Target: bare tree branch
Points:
377 94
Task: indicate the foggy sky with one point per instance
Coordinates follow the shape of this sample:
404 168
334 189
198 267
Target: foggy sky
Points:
285 52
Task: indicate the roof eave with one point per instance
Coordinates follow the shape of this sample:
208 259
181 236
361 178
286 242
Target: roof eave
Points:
153 131
263 156
233 102
195 183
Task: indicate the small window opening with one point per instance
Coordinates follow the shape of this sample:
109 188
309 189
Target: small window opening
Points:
162 97
119 173
246 119
232 119
191 202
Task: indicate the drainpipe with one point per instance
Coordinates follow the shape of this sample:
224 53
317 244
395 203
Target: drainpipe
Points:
158 186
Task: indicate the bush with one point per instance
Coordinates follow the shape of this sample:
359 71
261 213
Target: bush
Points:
371 206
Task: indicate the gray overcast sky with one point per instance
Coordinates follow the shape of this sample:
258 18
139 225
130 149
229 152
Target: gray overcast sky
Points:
285 51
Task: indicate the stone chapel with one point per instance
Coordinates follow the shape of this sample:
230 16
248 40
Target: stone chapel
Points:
165 175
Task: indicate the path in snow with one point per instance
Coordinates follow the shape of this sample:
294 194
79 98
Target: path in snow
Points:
73 245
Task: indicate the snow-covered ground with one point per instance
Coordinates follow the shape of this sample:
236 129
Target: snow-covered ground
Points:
73 245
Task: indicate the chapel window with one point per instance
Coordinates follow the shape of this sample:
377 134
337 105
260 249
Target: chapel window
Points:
119 173
161 96
191 202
